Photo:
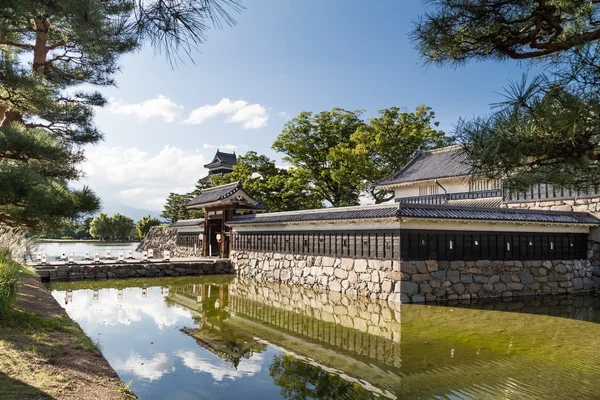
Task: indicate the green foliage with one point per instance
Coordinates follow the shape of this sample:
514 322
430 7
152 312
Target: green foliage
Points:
455 31
539 134
117 227
10 271
546 131
308 142
299 380
49 50
384 146
277 188
174 209
143 225
79 229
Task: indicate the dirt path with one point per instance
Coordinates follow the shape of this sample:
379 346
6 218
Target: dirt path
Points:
44 354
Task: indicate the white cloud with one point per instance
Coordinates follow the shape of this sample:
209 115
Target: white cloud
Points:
161 107
284 115
139 179
146 368
252 116
220 369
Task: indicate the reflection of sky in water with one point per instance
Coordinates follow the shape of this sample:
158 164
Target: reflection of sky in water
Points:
141 339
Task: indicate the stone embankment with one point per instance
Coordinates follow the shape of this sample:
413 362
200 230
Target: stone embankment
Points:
160 239
591 205
136 270
420 281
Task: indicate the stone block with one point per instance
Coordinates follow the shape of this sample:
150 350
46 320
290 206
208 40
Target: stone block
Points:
394 276
514 286
420 277
387 286
432 265
526 277
408 267
335 285
459 288
425 288
421 267
457 264
482 263
409 288
439 276
341 274
375 277
466 278
360 265
443 264
418 298
453 276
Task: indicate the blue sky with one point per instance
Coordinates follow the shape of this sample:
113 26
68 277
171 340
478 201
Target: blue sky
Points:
283 57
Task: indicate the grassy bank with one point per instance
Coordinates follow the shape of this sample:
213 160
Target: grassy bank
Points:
45 355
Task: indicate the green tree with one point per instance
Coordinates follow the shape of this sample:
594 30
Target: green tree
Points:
299 381
545 131
121 227
174 209
385 145
277 188
101 226
49 50
309 142
144 224
456 31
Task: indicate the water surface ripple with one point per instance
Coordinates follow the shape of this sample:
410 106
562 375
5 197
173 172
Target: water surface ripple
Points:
233 338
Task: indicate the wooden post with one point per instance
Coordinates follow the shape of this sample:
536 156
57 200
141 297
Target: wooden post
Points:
205 235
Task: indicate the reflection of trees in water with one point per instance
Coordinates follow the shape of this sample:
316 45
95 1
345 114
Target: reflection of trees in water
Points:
299 380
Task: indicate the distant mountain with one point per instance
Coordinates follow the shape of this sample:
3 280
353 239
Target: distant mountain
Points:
131 212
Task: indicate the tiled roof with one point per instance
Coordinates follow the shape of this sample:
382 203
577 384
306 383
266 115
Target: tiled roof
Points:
323 214
187 222
222 158
428 165
417 211
489 202
217 193
494 214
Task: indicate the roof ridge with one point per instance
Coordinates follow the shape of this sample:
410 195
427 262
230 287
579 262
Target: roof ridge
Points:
452 147
232 184
332 209
495 209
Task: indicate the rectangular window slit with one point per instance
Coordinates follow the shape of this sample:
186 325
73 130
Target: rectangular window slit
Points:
451 245
507 246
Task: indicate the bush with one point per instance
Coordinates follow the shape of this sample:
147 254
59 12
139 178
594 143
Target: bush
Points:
10 271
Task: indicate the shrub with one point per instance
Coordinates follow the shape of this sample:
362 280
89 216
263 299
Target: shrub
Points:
10 271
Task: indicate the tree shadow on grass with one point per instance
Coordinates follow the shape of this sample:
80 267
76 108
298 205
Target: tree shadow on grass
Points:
15 389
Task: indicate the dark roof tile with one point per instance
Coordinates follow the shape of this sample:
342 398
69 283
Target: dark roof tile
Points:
428 165
417 211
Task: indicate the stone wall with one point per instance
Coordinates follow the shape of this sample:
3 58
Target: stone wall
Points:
420 281
591 205
377 279
160 239
135 270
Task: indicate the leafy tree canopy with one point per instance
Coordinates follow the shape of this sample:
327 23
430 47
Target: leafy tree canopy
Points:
308 142
384 145
118 227
49 50
546 131
455 31
143 225
277 188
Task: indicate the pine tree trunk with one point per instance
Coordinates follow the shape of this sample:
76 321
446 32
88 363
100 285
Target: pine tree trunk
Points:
42 25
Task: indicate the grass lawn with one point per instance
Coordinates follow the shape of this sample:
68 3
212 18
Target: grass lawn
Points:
45 355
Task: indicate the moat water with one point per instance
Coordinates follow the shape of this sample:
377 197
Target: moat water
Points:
232 338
